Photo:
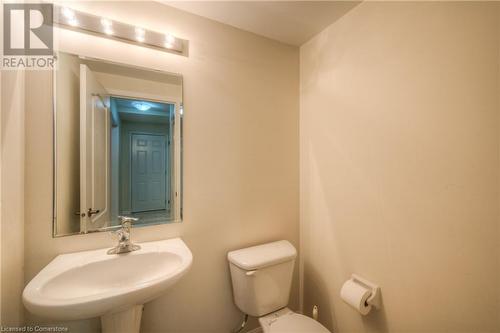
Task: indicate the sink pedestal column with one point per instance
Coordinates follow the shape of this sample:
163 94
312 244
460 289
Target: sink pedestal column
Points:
126 321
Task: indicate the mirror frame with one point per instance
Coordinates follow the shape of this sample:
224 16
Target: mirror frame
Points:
178 195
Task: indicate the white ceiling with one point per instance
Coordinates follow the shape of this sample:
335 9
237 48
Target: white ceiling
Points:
290 22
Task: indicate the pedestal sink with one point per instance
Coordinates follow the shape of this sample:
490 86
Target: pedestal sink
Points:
90 284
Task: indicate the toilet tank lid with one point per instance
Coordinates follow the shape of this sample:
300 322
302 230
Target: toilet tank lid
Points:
260 256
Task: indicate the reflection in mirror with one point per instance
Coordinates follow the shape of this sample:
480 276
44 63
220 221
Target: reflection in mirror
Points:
117 145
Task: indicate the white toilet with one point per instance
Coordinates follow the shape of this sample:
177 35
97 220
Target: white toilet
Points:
262 278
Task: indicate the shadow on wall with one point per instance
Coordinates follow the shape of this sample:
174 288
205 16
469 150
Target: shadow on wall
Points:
316 293
376 320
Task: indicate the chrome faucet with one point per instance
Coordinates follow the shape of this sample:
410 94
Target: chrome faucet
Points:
124 243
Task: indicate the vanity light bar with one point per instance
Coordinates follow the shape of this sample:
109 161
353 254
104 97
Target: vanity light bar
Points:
71 19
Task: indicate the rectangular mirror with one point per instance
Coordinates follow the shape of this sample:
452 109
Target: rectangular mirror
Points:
117 145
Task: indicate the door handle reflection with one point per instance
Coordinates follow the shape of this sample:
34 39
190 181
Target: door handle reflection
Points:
91 212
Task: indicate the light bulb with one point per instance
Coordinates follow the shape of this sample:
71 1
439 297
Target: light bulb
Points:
68 13
108 26
73 22
169 41
139 34
106 23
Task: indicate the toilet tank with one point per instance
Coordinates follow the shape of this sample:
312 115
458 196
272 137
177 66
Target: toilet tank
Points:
262 277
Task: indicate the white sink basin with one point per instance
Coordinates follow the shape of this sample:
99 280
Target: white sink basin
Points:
95 284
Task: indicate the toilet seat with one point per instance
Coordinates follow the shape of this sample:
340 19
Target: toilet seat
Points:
287 321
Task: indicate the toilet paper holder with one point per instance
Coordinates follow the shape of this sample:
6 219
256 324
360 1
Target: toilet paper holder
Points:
375 298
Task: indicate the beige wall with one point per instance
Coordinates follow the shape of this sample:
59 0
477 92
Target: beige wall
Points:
399 150
240 188
133 87
12 196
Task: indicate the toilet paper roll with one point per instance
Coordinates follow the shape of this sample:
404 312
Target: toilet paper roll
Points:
356 296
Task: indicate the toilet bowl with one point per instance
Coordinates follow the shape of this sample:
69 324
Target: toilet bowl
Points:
262 277
287 321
